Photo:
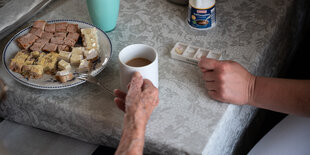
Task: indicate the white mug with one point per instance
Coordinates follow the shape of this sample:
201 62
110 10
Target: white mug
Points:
149 71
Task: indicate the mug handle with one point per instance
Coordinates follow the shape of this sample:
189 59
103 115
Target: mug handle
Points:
3 89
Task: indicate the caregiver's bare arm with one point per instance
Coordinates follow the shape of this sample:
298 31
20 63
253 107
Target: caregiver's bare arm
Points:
228 81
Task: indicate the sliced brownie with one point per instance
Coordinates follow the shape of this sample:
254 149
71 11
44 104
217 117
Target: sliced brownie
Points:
50 47
47 35
72 28
39 24
61 27
36 31
25 41
50 28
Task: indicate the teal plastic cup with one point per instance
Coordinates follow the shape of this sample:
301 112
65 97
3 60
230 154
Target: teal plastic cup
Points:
103 13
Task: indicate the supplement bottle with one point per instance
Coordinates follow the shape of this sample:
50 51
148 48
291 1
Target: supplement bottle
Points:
201 14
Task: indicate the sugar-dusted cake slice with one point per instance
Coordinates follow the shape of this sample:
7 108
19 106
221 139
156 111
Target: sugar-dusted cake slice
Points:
84 66
90 38
91 55
64 76
75 59
18 61
63 65
77 50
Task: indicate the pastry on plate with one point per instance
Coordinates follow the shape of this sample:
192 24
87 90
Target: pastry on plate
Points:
48 62
91 55
32 71
84 66
63 65
64 76
18 61
90 38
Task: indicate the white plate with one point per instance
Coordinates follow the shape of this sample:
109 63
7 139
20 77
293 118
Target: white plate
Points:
48 81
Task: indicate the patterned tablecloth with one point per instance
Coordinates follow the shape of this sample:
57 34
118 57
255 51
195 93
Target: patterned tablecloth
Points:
259 34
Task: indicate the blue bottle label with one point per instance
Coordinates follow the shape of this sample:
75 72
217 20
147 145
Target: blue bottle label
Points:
201 18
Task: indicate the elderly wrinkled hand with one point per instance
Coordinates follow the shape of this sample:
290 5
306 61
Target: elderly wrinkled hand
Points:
227 81
140 101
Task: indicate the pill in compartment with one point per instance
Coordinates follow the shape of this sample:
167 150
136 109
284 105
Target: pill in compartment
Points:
180 48
214 55
190 52
201 53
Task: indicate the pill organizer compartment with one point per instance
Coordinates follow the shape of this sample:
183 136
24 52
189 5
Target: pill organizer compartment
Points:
180 48
214 55
201 53
190 52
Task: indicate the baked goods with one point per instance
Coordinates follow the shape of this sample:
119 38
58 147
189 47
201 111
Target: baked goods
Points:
84 66
53 48
63 65
91 55
48 61
64 76
32 71
90 38
18 61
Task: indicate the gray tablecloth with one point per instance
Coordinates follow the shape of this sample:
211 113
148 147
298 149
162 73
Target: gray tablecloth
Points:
256 33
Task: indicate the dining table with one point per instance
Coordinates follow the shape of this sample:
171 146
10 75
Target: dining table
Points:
261 35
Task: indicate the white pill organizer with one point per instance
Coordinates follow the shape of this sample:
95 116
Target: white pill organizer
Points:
192 54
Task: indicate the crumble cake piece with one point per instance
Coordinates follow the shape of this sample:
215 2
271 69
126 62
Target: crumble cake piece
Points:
48 62
32 71
18 61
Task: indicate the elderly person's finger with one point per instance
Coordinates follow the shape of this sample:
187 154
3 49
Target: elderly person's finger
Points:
120 103
135 84
207 64
147 84
118 93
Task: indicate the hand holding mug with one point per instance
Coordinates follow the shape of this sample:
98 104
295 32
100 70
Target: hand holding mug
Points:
140 101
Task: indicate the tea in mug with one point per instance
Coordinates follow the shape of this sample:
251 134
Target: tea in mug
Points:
138 62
